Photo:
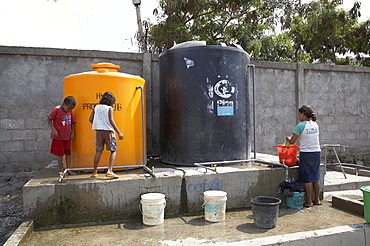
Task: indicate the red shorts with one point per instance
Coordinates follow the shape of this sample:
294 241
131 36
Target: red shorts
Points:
60 147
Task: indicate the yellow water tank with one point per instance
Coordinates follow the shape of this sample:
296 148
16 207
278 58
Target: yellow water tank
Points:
129 114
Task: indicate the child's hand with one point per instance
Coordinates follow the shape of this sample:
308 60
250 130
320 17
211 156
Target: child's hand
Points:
120 136
55 133
72 135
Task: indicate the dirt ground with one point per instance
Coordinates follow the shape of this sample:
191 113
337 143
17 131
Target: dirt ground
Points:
11 202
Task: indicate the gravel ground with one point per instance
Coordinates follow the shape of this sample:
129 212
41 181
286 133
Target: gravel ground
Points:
11 202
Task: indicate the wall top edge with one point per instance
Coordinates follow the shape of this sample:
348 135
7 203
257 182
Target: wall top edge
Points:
35 51
309 66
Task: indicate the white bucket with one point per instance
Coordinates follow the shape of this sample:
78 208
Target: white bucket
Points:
215 205
152 208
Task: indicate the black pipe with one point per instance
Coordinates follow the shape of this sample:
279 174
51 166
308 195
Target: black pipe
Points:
349 165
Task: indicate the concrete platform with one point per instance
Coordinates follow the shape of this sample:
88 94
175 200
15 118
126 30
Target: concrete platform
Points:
318 225
80 199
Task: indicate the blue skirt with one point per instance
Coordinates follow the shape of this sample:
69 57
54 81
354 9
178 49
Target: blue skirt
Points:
309 167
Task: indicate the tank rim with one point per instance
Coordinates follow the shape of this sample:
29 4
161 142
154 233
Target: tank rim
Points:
206 47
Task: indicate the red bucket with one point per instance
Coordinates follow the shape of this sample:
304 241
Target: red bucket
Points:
288 154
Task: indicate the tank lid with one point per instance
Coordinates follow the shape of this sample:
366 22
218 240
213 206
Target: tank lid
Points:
108 67
189 44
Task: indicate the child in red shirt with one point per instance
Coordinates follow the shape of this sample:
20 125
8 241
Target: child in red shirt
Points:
61 121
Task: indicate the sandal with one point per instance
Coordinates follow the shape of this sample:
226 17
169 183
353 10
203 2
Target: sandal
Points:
115 176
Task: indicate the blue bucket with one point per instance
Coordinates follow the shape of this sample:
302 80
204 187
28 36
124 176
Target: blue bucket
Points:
295 201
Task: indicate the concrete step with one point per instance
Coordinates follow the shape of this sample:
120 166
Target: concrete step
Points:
336 181
344 192
348 200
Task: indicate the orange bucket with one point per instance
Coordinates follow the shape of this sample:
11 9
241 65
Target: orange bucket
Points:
288 154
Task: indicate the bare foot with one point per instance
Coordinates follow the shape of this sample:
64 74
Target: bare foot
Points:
71 172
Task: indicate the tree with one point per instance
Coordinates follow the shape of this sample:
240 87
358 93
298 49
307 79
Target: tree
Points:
215 21
272 48
358 38
323 31
317 30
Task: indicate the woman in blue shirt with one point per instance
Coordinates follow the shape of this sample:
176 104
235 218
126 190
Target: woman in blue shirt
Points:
307 133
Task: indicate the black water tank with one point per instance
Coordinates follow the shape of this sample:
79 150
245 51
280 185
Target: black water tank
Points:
204 104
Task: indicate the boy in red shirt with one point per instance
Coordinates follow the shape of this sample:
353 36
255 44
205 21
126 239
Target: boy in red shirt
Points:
61 121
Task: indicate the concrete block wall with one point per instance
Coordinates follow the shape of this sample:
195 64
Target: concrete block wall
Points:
338 94
275 104
31 85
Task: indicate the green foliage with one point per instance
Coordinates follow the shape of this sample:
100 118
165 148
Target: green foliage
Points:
215 21
315 31
272 48
358 38
302 56
346 61
323 30
366 62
